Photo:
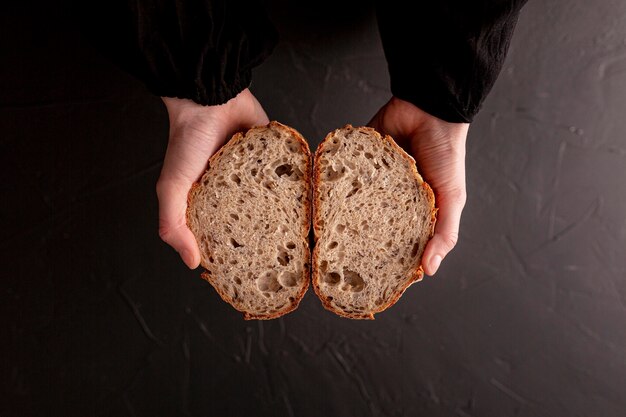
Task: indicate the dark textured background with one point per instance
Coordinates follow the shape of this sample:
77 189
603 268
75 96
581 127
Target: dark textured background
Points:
527 317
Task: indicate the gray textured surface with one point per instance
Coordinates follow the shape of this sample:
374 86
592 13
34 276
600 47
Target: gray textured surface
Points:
527 317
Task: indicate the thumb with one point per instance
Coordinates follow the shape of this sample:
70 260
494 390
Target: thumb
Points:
173 230
185 161
446 229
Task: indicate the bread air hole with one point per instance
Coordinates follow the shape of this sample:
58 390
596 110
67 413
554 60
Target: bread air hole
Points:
288 279
340 228
332 278
234 243
268 282
237 280
323 266
416 247
352 281
283 258
369 155
254 171
291 146
330 174
234 216
332 245
284 169
235 178
290 245
356 186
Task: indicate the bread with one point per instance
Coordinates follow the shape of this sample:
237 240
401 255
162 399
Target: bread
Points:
250 214
372 217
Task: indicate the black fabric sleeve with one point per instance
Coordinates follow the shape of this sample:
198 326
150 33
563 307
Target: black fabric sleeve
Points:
445 55
203 50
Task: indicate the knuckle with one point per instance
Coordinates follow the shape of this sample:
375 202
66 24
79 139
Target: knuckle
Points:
450 240
162 187
458 196
165 233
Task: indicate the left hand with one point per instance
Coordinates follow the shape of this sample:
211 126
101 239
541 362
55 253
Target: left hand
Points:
439 150
196 133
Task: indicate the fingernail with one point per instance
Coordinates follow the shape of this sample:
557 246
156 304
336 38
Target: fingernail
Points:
434 263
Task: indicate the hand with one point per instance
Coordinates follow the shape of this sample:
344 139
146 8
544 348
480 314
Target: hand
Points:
196 133
439 150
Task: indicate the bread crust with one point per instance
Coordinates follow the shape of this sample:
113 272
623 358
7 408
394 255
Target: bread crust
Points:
413 276
238 137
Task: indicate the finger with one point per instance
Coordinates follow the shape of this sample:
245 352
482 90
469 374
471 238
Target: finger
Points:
185 161
378 124
172 220
446 230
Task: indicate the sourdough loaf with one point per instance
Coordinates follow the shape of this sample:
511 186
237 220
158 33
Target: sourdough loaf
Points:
372 217
250 214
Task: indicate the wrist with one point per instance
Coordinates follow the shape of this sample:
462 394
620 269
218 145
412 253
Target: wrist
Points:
181 111
417 117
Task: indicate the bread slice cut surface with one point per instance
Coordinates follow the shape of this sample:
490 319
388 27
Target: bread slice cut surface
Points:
373 216
250 214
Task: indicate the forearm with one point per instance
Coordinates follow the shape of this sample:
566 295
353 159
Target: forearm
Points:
446 57
203 50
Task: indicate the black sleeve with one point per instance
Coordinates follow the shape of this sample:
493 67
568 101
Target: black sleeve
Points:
203 50
445 55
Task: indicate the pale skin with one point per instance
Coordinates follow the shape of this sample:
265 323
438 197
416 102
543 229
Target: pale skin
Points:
197 132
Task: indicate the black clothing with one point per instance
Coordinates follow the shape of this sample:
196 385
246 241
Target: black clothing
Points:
444 58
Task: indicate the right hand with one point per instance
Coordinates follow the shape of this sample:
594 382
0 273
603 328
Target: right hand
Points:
196 133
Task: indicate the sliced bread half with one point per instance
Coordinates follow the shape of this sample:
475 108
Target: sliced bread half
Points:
250 214
372 217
